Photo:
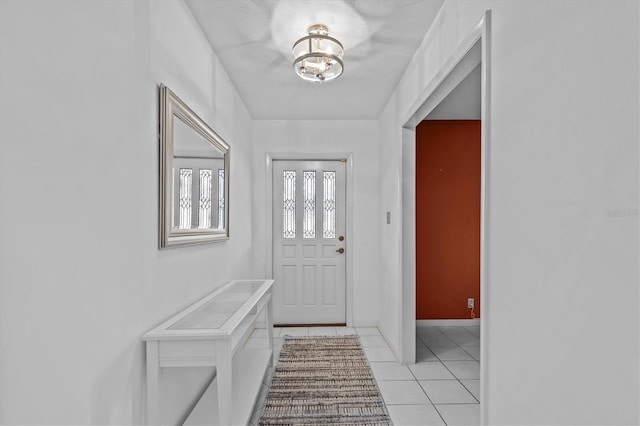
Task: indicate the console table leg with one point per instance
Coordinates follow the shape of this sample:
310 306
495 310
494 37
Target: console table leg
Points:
153 368
223 373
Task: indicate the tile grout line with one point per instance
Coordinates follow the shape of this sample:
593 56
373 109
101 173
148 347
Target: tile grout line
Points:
452 373
462 347
425 392
456 377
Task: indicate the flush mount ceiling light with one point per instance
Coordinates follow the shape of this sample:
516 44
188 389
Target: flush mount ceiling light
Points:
318 57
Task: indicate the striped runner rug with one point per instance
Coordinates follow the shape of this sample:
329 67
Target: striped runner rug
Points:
321 381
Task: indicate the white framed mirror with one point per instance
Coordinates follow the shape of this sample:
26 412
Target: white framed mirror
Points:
194 177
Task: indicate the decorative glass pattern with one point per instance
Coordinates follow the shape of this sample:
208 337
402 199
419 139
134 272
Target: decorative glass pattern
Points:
309 195
204 211
186 176
289 204
329 205
221 198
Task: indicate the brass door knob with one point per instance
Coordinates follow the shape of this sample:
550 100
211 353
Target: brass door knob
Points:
340 250
341 238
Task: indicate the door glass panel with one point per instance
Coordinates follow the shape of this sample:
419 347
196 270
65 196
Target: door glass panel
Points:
186 176
204 211
289 204
329 205
309 194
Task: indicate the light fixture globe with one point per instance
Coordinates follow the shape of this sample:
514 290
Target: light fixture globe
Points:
318 57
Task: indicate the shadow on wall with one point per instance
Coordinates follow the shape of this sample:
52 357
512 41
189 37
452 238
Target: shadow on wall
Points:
118 396
121 381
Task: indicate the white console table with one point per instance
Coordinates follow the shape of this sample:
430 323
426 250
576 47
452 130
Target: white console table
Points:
212 332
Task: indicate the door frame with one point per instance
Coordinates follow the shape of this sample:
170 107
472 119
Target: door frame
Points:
302 156
476 48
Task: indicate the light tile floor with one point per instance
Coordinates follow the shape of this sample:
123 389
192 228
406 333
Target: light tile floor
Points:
442 388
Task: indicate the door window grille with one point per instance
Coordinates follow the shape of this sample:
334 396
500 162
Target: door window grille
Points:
289 204
221 196
329 205
309 194
204 211
186 176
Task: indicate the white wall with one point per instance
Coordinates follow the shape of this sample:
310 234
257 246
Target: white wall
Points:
317 137
562 308
463 102
390 315
81 276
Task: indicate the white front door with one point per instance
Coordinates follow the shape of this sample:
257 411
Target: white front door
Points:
309 242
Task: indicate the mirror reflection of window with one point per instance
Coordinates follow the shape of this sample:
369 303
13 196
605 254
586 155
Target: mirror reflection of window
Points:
186 177
204 213
197 186
221 198
196 189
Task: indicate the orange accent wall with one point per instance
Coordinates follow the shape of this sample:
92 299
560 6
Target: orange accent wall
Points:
447 218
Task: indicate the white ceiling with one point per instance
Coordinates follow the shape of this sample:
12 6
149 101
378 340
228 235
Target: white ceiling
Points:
253 40
463 102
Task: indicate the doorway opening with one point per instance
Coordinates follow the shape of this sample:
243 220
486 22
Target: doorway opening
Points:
448 215
473 56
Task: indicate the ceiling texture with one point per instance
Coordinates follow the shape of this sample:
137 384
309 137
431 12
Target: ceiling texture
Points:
253 40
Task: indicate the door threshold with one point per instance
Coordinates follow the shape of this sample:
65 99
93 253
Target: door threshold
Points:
337 324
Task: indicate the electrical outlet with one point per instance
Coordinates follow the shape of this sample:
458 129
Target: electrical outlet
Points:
470 302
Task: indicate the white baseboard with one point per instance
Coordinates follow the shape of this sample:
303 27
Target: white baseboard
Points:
365 323
445 322
374 323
